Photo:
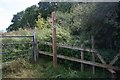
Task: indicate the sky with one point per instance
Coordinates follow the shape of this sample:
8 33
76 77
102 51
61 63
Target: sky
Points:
10 7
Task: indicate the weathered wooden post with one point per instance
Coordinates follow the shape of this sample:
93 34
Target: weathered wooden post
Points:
54 38
93 55
34 47
82 58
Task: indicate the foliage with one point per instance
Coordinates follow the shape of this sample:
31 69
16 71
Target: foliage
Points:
42 23
22 68
64 20
24 19
28 18
46 8
42 35
65 7
98 19
76 23
16 21
12 52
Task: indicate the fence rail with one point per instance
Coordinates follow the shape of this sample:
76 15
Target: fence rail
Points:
15 36
81 61
70 47
103 64
17 43
109 66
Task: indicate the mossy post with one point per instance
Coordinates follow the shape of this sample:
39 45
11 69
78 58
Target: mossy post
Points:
54 39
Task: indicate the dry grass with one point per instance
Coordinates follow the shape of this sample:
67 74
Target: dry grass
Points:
44 69
20 69
17 69
21 74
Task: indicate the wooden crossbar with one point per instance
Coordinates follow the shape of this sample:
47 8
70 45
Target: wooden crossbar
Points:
115 59
14 36
82 61
17 43
103 61
70 47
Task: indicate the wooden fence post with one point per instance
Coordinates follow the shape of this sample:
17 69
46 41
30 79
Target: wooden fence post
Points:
34 47
37 48
93 55
82 58
54 39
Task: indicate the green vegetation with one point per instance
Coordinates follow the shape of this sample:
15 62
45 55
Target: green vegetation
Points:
43 68
76 23
22 68
80 19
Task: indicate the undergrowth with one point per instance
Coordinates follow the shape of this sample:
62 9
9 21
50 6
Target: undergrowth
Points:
23 68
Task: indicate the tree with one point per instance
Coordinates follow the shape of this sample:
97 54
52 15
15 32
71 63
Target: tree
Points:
42 23
29 17
24 19
98 19
46 8
16 21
